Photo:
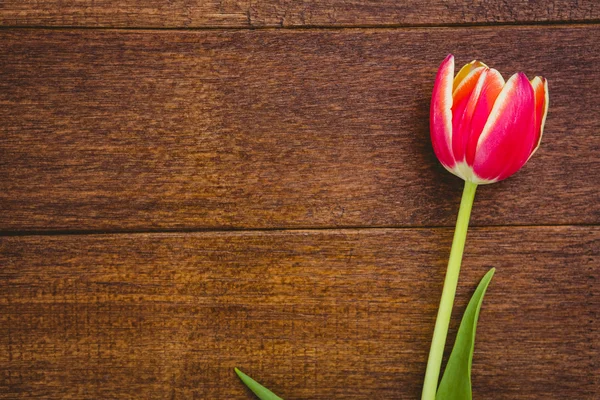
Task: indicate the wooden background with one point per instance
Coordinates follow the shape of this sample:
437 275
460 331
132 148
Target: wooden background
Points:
188 186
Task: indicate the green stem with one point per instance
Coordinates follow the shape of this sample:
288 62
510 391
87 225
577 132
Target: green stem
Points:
438 342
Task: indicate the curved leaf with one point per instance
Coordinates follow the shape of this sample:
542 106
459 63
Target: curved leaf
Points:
260 391
456 382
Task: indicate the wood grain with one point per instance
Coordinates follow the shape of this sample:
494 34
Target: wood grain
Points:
283 13
145 130
327 314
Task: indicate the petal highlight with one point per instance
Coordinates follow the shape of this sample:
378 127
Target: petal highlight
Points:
540 89
440 122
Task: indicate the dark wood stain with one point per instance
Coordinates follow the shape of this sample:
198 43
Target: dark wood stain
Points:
331 314
106 130
283 13
107 134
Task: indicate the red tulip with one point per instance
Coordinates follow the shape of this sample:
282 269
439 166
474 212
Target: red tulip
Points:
483 129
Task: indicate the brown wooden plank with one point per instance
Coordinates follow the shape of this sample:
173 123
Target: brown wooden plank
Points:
283 13
263 129
326 314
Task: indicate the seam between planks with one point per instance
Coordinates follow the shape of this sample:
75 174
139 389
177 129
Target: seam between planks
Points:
309 27
100 232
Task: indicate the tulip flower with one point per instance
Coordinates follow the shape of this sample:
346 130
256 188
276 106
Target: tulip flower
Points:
483 130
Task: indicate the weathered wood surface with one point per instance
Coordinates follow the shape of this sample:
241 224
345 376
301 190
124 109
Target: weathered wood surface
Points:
164 130
147 130
329 314
284 13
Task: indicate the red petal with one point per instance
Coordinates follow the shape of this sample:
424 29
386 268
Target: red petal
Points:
481 111
509 135
465 100
441 113
470 114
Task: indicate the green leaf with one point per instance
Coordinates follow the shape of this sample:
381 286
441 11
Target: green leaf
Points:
260 391
456 382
